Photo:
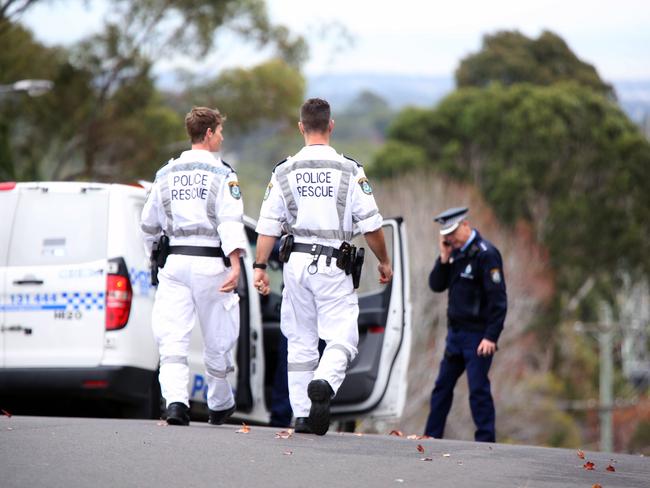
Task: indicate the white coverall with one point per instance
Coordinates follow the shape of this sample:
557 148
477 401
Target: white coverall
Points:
195 200
317 196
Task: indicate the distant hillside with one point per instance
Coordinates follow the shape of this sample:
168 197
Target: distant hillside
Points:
402 90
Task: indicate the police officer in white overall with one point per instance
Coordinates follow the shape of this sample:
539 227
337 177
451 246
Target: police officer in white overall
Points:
195 201
317 196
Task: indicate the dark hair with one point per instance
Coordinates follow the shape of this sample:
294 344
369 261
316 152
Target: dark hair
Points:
199 120
315 115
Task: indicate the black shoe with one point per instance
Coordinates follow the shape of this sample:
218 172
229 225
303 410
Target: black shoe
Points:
218 417
178 414
320 394
302 426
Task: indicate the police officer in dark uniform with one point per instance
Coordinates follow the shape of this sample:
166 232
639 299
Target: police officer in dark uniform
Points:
472 270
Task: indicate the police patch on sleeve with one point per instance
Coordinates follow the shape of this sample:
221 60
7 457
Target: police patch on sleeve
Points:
235 192
495 274
365 186
268 191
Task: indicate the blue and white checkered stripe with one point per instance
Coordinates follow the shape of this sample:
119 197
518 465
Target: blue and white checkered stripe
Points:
67 300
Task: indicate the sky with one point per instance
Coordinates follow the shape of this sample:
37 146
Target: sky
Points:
410 37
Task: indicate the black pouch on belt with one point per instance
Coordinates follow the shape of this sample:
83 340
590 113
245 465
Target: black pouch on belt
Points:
344 260
158 259
357 267
286 246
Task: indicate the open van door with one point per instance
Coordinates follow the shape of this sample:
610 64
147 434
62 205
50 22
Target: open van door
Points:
376 381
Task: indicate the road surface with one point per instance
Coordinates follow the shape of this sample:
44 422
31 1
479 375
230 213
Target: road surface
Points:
71 452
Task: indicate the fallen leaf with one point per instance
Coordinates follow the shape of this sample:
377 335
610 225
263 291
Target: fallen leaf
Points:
446 454
287 453
597 485
284 434
245 429
589 466
398 433
610 468
581 454
426 459
4 412
420 448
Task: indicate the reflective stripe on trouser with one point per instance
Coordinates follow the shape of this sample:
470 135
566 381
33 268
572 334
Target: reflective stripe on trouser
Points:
321 305
188 291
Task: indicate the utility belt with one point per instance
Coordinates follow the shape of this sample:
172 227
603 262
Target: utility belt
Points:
348 257
162 250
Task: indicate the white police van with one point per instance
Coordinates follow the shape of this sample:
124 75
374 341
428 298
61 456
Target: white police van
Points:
75 314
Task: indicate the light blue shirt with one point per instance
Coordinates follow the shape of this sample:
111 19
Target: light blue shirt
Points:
469 241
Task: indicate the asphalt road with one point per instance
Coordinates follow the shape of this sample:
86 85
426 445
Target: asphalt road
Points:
69 452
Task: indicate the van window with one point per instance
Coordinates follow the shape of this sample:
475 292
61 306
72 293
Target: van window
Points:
52 228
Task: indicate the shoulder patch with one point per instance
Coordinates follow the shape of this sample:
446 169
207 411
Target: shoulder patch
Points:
353 160
281 162
268 190
365 186
235 191
495 274
483 246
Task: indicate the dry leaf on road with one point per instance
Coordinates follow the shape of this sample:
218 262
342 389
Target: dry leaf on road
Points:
245 429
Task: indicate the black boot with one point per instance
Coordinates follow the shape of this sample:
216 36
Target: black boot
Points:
218 417
320 393
178 414
302 426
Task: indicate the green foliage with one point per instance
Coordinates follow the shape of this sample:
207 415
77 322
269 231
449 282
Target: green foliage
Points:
562 156
270 92
105 120
509 57
397 158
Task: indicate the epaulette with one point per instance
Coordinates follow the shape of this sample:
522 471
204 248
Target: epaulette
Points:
228 166
281 162
353 160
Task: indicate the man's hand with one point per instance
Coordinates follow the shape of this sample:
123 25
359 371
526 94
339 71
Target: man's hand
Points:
233 278
385 272
231 282
445 249
486 348
261 281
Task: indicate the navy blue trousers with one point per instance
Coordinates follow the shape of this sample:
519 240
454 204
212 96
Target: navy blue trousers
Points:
281 412
460 355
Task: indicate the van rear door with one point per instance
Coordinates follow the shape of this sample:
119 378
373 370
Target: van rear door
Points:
56 276
8 199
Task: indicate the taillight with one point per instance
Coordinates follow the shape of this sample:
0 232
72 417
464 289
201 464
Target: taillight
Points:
118 296
7 185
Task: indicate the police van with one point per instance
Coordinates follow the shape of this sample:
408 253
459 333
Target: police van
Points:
75 313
